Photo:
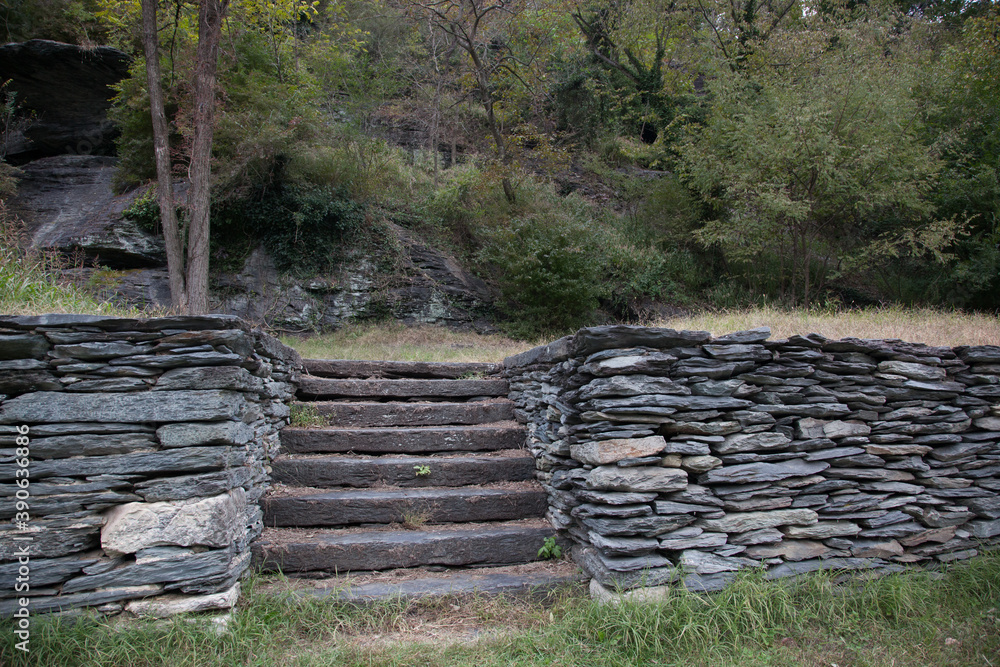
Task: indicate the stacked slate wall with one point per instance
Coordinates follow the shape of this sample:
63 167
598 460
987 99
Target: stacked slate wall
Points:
670 456
148 448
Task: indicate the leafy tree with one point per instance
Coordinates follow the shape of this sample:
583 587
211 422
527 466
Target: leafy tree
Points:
481 29
811 139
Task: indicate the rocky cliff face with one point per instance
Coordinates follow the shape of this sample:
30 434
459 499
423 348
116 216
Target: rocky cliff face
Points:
67 204
67 89
66 199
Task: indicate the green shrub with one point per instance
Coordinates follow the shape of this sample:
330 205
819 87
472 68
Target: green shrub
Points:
547 273
304 229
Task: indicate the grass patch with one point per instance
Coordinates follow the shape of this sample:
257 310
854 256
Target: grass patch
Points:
305 415
30 283
916 325
904 619
425 343
397 342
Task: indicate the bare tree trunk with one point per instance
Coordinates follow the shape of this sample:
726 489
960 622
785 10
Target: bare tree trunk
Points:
210 15
164 185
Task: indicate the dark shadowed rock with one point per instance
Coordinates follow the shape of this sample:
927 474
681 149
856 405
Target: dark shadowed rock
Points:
68 205
67 87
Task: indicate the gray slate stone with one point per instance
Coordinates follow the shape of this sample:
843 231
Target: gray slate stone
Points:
743 523
184 460
761 472
762 536
213 433
184 487
987 508
211 377
985 529
700 541
758 335
22 346
667 401
700 562
587 510
613 498
64 446
806 566
631 385
186 565
648 526
980 354
625 572
174 406
99 351
623 545
742 442
624 362
178 360
110 384
613 478
593 339
913 371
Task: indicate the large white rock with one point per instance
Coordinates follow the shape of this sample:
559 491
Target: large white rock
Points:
210 522
170 605
602 452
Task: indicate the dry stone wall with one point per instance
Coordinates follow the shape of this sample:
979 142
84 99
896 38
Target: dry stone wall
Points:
673 457
148 447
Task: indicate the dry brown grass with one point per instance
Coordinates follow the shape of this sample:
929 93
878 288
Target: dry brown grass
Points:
916 325
394 341
426 343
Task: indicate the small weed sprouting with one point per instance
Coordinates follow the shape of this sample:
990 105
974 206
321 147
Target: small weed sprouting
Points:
550 550
306 416
422 471
413 520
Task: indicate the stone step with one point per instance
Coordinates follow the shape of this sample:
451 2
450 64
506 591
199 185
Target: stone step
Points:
341 551
519 500
346 368
399 440
538 579
317 387
415 414
332 471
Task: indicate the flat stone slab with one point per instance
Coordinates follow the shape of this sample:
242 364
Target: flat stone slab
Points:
455 583
335 551
415 414
402 440
161 406
332 471
314 387
345 368
433 505
593 339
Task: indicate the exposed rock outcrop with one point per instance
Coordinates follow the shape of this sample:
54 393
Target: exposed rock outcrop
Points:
429 287
67 89
68 205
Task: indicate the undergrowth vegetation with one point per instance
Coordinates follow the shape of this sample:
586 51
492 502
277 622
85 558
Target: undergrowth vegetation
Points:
913 618
31 282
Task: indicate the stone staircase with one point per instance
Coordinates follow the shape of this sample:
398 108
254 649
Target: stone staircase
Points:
419 485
